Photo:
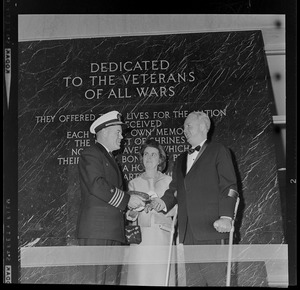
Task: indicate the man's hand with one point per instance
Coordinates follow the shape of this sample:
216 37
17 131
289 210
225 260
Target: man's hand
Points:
132 215
223 225
147 208
157 204
136 201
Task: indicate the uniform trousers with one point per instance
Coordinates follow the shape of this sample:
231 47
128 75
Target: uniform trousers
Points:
101 274
204 274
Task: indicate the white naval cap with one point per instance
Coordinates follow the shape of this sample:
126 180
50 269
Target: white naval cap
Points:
109 119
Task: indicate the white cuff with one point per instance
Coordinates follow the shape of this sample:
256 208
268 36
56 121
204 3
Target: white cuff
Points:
165 208
225 217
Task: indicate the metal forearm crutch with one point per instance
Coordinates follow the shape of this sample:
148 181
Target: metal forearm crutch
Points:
170 245
231 243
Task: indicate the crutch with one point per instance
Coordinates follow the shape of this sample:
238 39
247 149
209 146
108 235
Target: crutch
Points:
171 243
231 243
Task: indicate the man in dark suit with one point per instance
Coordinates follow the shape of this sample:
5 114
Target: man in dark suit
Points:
206 186
103 200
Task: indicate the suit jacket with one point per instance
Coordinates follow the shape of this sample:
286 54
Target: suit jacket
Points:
103 201
202 193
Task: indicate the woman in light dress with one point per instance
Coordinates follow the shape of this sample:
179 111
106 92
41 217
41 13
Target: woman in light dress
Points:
155 226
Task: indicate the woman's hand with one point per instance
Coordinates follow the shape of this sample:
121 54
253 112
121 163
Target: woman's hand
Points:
157 204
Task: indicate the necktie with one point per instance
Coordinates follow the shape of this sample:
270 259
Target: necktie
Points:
192 150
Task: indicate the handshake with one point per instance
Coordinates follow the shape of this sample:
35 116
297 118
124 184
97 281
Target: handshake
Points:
141 200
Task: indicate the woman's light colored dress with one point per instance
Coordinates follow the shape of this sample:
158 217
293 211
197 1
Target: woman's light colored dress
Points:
152 235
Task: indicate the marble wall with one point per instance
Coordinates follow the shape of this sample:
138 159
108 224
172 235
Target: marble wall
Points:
154 81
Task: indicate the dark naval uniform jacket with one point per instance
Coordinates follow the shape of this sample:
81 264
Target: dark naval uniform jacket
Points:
204 194
103 201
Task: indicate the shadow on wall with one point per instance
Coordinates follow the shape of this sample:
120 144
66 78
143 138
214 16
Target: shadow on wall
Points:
240 210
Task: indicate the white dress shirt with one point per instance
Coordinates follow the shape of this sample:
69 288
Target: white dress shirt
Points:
192 157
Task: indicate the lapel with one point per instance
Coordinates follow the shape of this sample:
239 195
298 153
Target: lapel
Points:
110 158
201 151
183 164
203 147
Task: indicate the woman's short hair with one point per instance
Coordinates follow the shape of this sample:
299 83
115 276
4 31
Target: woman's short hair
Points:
162 154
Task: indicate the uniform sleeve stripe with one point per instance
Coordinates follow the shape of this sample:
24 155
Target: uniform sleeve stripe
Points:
120 199
112 200
117 198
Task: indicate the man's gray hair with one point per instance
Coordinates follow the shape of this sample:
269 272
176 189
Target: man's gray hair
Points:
203 118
